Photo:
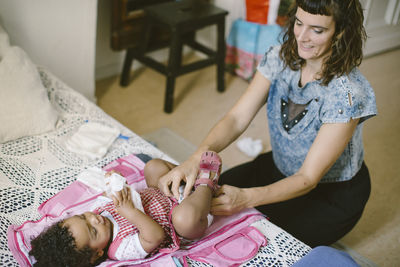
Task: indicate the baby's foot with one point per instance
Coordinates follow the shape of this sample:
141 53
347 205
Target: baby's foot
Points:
209 171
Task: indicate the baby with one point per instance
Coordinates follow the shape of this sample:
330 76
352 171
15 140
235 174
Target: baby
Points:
119 230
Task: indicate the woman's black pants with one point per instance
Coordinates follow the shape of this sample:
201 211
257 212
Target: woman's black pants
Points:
322 216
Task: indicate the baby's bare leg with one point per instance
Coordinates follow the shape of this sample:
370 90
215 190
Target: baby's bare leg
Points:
190 217
155 169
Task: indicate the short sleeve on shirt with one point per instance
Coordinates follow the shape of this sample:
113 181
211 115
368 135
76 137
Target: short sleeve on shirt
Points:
130 248
348 97
271 64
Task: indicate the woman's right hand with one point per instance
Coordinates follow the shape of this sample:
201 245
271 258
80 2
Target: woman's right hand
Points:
187 172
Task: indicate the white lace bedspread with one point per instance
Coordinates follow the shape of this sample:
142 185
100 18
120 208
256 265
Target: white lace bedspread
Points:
34 168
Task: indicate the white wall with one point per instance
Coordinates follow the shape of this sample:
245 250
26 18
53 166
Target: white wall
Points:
382 23
57 34
108 62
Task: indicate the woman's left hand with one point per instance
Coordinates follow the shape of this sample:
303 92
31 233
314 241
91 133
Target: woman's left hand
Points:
229 200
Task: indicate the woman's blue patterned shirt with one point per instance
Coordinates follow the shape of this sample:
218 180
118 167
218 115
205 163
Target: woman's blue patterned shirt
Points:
345 97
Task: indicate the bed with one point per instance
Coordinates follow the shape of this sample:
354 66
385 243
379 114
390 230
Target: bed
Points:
35 167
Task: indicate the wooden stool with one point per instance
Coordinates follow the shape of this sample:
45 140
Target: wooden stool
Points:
182 19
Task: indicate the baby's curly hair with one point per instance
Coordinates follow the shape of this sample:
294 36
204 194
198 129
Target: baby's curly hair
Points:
56 247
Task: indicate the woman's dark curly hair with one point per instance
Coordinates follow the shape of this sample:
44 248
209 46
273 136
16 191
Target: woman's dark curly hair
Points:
347 41
56 247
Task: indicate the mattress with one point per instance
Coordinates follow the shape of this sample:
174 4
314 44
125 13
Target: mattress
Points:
34 168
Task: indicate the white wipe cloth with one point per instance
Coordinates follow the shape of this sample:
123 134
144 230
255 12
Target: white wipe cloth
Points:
96 179
249 146
92 140
114 183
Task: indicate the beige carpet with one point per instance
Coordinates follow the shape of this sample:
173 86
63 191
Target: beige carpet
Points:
198 106
170 143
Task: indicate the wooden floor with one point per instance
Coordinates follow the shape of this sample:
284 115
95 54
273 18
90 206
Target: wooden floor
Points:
198 106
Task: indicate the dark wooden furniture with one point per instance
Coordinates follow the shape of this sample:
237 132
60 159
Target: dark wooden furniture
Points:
150 25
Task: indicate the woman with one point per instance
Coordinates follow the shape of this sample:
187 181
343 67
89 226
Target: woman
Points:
314 183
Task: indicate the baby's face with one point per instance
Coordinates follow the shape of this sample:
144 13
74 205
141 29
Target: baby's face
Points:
90 229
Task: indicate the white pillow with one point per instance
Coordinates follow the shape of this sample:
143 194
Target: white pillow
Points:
25 108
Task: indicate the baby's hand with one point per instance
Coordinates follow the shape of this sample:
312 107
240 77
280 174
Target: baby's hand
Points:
123 201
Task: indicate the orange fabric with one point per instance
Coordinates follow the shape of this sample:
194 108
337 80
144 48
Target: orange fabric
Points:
257 11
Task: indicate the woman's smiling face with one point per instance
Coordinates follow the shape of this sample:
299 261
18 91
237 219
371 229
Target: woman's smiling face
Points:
313 35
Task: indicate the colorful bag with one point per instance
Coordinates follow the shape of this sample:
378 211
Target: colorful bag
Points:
246 44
